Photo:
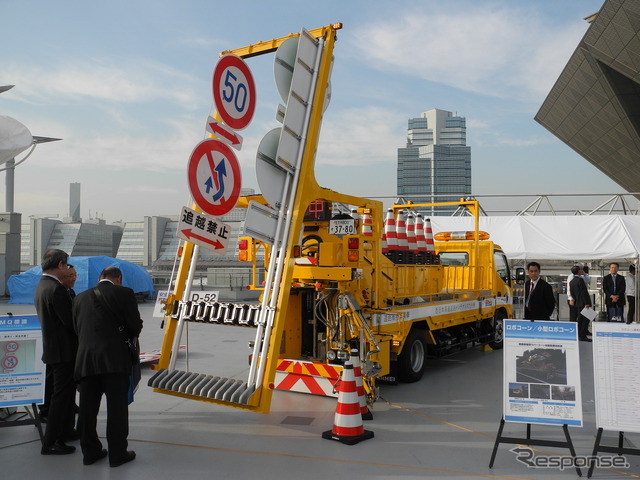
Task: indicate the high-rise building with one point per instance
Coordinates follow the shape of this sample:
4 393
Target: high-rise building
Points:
435 166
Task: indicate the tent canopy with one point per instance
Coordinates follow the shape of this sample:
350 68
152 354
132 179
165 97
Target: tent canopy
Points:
22 287
569 238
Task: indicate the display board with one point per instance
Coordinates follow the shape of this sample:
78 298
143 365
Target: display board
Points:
616 365
542 373
21 367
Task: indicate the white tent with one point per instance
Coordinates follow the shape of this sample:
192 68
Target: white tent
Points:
569 238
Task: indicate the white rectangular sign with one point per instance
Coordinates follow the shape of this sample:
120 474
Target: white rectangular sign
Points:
204 230
542 373
616 372
261 222
342 227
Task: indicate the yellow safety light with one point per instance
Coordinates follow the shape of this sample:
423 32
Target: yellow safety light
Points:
461 235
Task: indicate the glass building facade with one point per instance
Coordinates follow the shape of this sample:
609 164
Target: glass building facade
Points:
435 165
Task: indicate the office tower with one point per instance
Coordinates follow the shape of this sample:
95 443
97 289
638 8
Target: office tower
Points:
435 166
74 202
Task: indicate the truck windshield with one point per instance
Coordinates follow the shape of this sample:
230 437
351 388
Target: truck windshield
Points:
502 267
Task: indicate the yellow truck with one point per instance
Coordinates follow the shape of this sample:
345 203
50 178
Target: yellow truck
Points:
331 286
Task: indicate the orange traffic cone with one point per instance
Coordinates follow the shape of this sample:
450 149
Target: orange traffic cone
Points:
347 425
401 229
429 236
357 372
411 233
390 231
367 225
420 239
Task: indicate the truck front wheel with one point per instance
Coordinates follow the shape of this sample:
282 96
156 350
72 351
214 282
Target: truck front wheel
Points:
411 361
498 330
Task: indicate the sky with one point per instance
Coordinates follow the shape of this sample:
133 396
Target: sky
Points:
127 86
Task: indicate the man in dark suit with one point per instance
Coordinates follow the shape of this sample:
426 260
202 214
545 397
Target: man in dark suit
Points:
68 279
581 300
60 343
614 286
538 295
104 317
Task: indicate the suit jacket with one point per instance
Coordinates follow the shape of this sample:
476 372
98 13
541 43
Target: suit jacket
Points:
102 348
608 289
53 306
579 293
542 302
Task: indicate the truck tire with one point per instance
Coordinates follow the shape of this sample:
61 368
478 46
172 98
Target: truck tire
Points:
412 359
498 330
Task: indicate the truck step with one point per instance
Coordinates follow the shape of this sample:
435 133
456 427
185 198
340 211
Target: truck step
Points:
201 385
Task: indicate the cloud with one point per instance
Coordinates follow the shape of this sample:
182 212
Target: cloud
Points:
101 81
361 136
502 52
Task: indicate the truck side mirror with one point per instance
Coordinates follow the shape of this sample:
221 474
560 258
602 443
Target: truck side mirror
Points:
520 275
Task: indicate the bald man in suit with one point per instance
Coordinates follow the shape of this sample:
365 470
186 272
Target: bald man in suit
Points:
104 317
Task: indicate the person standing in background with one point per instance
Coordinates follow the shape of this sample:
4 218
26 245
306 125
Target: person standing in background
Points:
103 317
630 292
59 347
614 287
538 295
581 300
68 279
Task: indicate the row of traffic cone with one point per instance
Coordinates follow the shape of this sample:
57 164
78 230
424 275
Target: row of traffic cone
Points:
405 240
410 240
352 408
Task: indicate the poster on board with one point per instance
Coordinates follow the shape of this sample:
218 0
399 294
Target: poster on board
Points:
21 367
616 373
542 373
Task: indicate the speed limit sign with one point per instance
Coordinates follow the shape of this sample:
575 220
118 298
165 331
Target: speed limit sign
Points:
234 92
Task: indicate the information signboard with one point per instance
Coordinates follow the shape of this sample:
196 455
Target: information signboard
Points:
542 373
616 365
21 367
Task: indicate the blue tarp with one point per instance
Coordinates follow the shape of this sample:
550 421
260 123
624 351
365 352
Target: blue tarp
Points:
23 286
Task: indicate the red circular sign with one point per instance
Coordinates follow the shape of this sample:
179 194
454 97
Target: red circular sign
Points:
234 92
9 362
214 177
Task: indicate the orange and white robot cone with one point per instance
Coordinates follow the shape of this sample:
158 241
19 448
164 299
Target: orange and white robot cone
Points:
390 233
347 425
411 234
401 230
429 236
420 238
367 225
357 372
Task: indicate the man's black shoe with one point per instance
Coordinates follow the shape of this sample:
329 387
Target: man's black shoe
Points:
71 436
93 459
58 448
586 339
127 458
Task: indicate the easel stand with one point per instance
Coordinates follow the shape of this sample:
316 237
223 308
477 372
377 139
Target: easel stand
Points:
530 441
33 419
620 450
